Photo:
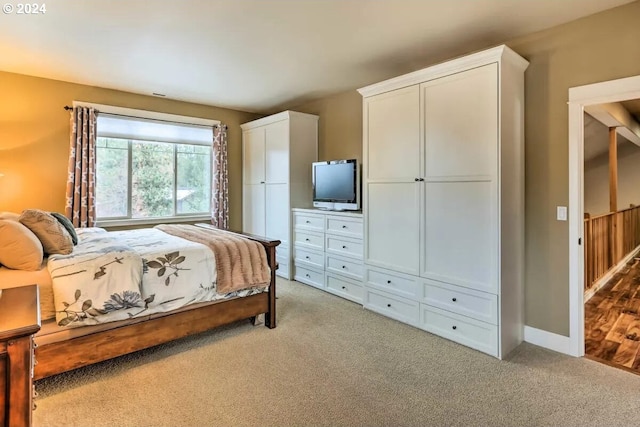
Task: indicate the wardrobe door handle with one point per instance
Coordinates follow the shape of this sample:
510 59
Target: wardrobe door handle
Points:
416 179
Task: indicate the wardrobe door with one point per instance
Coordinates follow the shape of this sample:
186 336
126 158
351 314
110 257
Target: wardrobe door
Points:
253 146
392 173
277 212
277 153
253 209
460 114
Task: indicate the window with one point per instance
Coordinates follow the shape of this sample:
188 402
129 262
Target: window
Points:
147 169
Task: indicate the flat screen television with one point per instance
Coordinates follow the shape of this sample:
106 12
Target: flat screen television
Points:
336 185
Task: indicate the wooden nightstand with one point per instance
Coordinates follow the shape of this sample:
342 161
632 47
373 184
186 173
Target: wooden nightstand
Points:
19 321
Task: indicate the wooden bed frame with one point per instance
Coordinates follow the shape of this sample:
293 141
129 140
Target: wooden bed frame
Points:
66 355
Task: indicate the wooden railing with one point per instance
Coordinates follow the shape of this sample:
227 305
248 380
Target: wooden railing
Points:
608 239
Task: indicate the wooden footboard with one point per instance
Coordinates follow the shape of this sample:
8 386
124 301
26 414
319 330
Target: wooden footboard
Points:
57 357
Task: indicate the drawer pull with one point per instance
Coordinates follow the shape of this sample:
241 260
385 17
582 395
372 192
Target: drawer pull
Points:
344 247
306 240
454 299
307 275
344 287
308 222
388 305
454 327
307 257
344 226
389 282
344 266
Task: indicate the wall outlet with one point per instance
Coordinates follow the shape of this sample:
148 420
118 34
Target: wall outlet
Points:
561 213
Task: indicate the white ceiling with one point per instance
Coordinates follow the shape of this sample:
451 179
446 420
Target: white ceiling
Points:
261 55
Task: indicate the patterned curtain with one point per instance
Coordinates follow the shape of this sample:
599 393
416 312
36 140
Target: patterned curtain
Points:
81 182
219 179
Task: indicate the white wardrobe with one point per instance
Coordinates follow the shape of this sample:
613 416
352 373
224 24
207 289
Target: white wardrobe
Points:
277 152
443 186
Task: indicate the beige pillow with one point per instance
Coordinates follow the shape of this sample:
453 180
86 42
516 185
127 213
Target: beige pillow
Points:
20 249
54 237
9 215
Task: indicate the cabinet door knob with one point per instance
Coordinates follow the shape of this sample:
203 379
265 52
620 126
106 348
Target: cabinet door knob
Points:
454 327
389 282
388 305
306 240
308 222
307 257
416 179
454 299
344 287
344 247
344 266
344 226
307 275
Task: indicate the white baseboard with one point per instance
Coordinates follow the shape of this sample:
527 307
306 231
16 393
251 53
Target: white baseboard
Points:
549 340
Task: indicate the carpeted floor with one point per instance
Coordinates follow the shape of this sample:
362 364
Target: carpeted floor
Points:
330 362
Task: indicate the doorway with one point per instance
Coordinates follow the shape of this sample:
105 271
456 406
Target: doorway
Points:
579 98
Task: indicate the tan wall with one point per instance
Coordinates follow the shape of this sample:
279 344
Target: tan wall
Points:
597 48
34 138
340 125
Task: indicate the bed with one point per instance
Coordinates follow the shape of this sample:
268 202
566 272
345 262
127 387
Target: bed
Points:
120 292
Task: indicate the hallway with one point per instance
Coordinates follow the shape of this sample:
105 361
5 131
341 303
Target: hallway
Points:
612 320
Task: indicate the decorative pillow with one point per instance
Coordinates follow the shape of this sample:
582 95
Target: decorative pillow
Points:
54 237
20 249
66 223
9 215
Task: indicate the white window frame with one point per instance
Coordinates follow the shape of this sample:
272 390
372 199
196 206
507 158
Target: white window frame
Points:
145 114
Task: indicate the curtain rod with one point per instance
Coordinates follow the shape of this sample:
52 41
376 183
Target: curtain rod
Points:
68 108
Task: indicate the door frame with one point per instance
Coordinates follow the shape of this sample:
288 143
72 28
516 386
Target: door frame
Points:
580 97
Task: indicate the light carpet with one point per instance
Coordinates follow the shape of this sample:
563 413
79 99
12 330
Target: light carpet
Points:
332 363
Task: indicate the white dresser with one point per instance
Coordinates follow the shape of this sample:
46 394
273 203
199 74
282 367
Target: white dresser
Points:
277 152
328 251
443 186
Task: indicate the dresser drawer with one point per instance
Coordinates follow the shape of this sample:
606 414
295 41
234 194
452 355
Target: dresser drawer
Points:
347 266
476 304
345 288
395 283
309 257
344 246
308 239
393 306
309 276
343 226
305 221
466 331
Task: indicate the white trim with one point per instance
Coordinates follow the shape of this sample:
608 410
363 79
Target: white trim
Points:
148 221
579 98
478 59
284 115
549 340
145 114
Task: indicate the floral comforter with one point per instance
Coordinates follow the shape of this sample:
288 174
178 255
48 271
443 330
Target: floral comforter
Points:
119 275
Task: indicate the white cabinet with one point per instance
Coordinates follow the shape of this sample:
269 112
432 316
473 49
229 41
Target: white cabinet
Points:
443 173
328 251
277 154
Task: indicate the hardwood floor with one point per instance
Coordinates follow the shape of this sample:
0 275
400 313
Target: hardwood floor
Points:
612 320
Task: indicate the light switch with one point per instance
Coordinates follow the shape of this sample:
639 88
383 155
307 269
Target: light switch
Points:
562 213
